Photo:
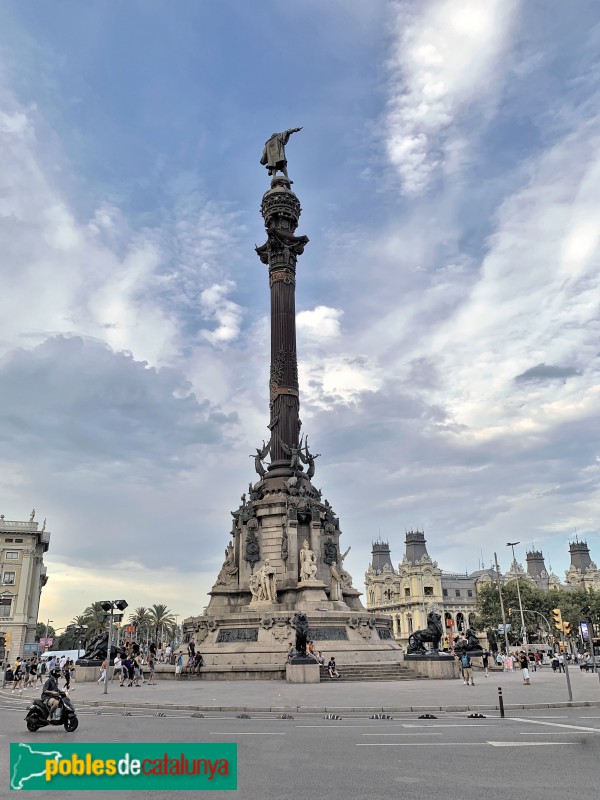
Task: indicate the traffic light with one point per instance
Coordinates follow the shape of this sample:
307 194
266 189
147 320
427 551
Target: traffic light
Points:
510 612
558 623
567 628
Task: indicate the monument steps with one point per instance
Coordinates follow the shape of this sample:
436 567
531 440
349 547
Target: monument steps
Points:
371 672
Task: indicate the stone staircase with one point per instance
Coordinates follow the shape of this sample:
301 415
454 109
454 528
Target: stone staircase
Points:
393 671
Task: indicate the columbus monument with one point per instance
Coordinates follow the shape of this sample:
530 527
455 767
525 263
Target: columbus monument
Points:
284 554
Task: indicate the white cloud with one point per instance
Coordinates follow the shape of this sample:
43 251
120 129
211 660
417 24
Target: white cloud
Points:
322 322
227 314
536 300
445 62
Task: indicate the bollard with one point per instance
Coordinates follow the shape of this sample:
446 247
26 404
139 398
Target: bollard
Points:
501 702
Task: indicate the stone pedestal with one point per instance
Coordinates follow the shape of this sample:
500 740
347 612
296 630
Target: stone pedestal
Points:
302 673
442 666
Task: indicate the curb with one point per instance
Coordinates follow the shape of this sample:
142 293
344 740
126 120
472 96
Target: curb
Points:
325 709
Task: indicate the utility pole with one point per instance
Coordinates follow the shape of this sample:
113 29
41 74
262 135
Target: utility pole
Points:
501 604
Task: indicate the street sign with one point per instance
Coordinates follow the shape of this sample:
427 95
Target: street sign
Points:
584 630
501 629
31 647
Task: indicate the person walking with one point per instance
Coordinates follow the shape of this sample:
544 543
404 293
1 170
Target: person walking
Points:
179 666
17 676
467 669
127 669
485 659
66 673
524 664
102 672
118 669
151 668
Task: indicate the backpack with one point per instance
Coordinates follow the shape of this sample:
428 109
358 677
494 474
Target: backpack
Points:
465 660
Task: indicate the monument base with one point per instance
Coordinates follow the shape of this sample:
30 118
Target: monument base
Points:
302 673
434 665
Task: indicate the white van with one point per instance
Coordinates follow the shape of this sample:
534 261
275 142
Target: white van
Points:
72 654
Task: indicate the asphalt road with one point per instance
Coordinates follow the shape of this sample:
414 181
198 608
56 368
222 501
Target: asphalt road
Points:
546 754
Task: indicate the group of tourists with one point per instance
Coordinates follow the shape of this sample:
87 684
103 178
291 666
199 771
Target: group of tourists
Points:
317 655
27 673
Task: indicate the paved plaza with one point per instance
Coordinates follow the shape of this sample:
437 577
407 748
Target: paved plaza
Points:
547 688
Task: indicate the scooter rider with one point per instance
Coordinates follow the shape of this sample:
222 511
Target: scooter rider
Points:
51 694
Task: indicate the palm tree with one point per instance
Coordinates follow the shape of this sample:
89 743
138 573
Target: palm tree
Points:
95 619
141 619
160 616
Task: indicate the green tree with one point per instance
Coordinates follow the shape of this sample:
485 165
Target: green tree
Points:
40 631
161 618
142 621
535 604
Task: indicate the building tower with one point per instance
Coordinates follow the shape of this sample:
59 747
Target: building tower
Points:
381 557
415 547
284 554
582 573
536 569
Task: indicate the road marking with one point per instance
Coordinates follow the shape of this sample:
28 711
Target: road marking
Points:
465 744
530 744
402 734
550 733
555 724
247 733
449 725
423 744
373 725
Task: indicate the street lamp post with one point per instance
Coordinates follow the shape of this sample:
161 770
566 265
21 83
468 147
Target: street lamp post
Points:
79 630
523 629
501 605
46 636
109 606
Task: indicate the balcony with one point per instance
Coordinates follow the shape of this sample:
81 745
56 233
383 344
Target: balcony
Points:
10 525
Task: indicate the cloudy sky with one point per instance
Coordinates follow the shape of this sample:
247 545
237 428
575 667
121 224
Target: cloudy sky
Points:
448 321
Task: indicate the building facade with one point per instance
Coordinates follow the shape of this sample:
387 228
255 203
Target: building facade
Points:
22 577
417 587
407 594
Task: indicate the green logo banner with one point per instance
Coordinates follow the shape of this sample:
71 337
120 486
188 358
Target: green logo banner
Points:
167 767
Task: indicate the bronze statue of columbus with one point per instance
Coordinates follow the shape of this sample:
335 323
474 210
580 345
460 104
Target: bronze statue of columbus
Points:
273 157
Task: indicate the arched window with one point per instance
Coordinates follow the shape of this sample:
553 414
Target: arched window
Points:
410 623
388 594
460 622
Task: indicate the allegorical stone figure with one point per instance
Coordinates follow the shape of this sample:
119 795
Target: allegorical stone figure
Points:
228 570
308 563
273 157
336 583
268 582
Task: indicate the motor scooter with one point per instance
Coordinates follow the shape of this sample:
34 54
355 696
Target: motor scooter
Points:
63 714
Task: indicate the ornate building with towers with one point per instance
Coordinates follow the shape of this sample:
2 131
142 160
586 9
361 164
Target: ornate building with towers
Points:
284 553
407 594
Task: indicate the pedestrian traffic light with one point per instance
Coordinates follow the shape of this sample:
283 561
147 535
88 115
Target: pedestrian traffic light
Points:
567 628
558 623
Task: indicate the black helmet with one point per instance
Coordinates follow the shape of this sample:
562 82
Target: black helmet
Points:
55 672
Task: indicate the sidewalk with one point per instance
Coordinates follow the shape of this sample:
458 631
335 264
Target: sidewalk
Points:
547 690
